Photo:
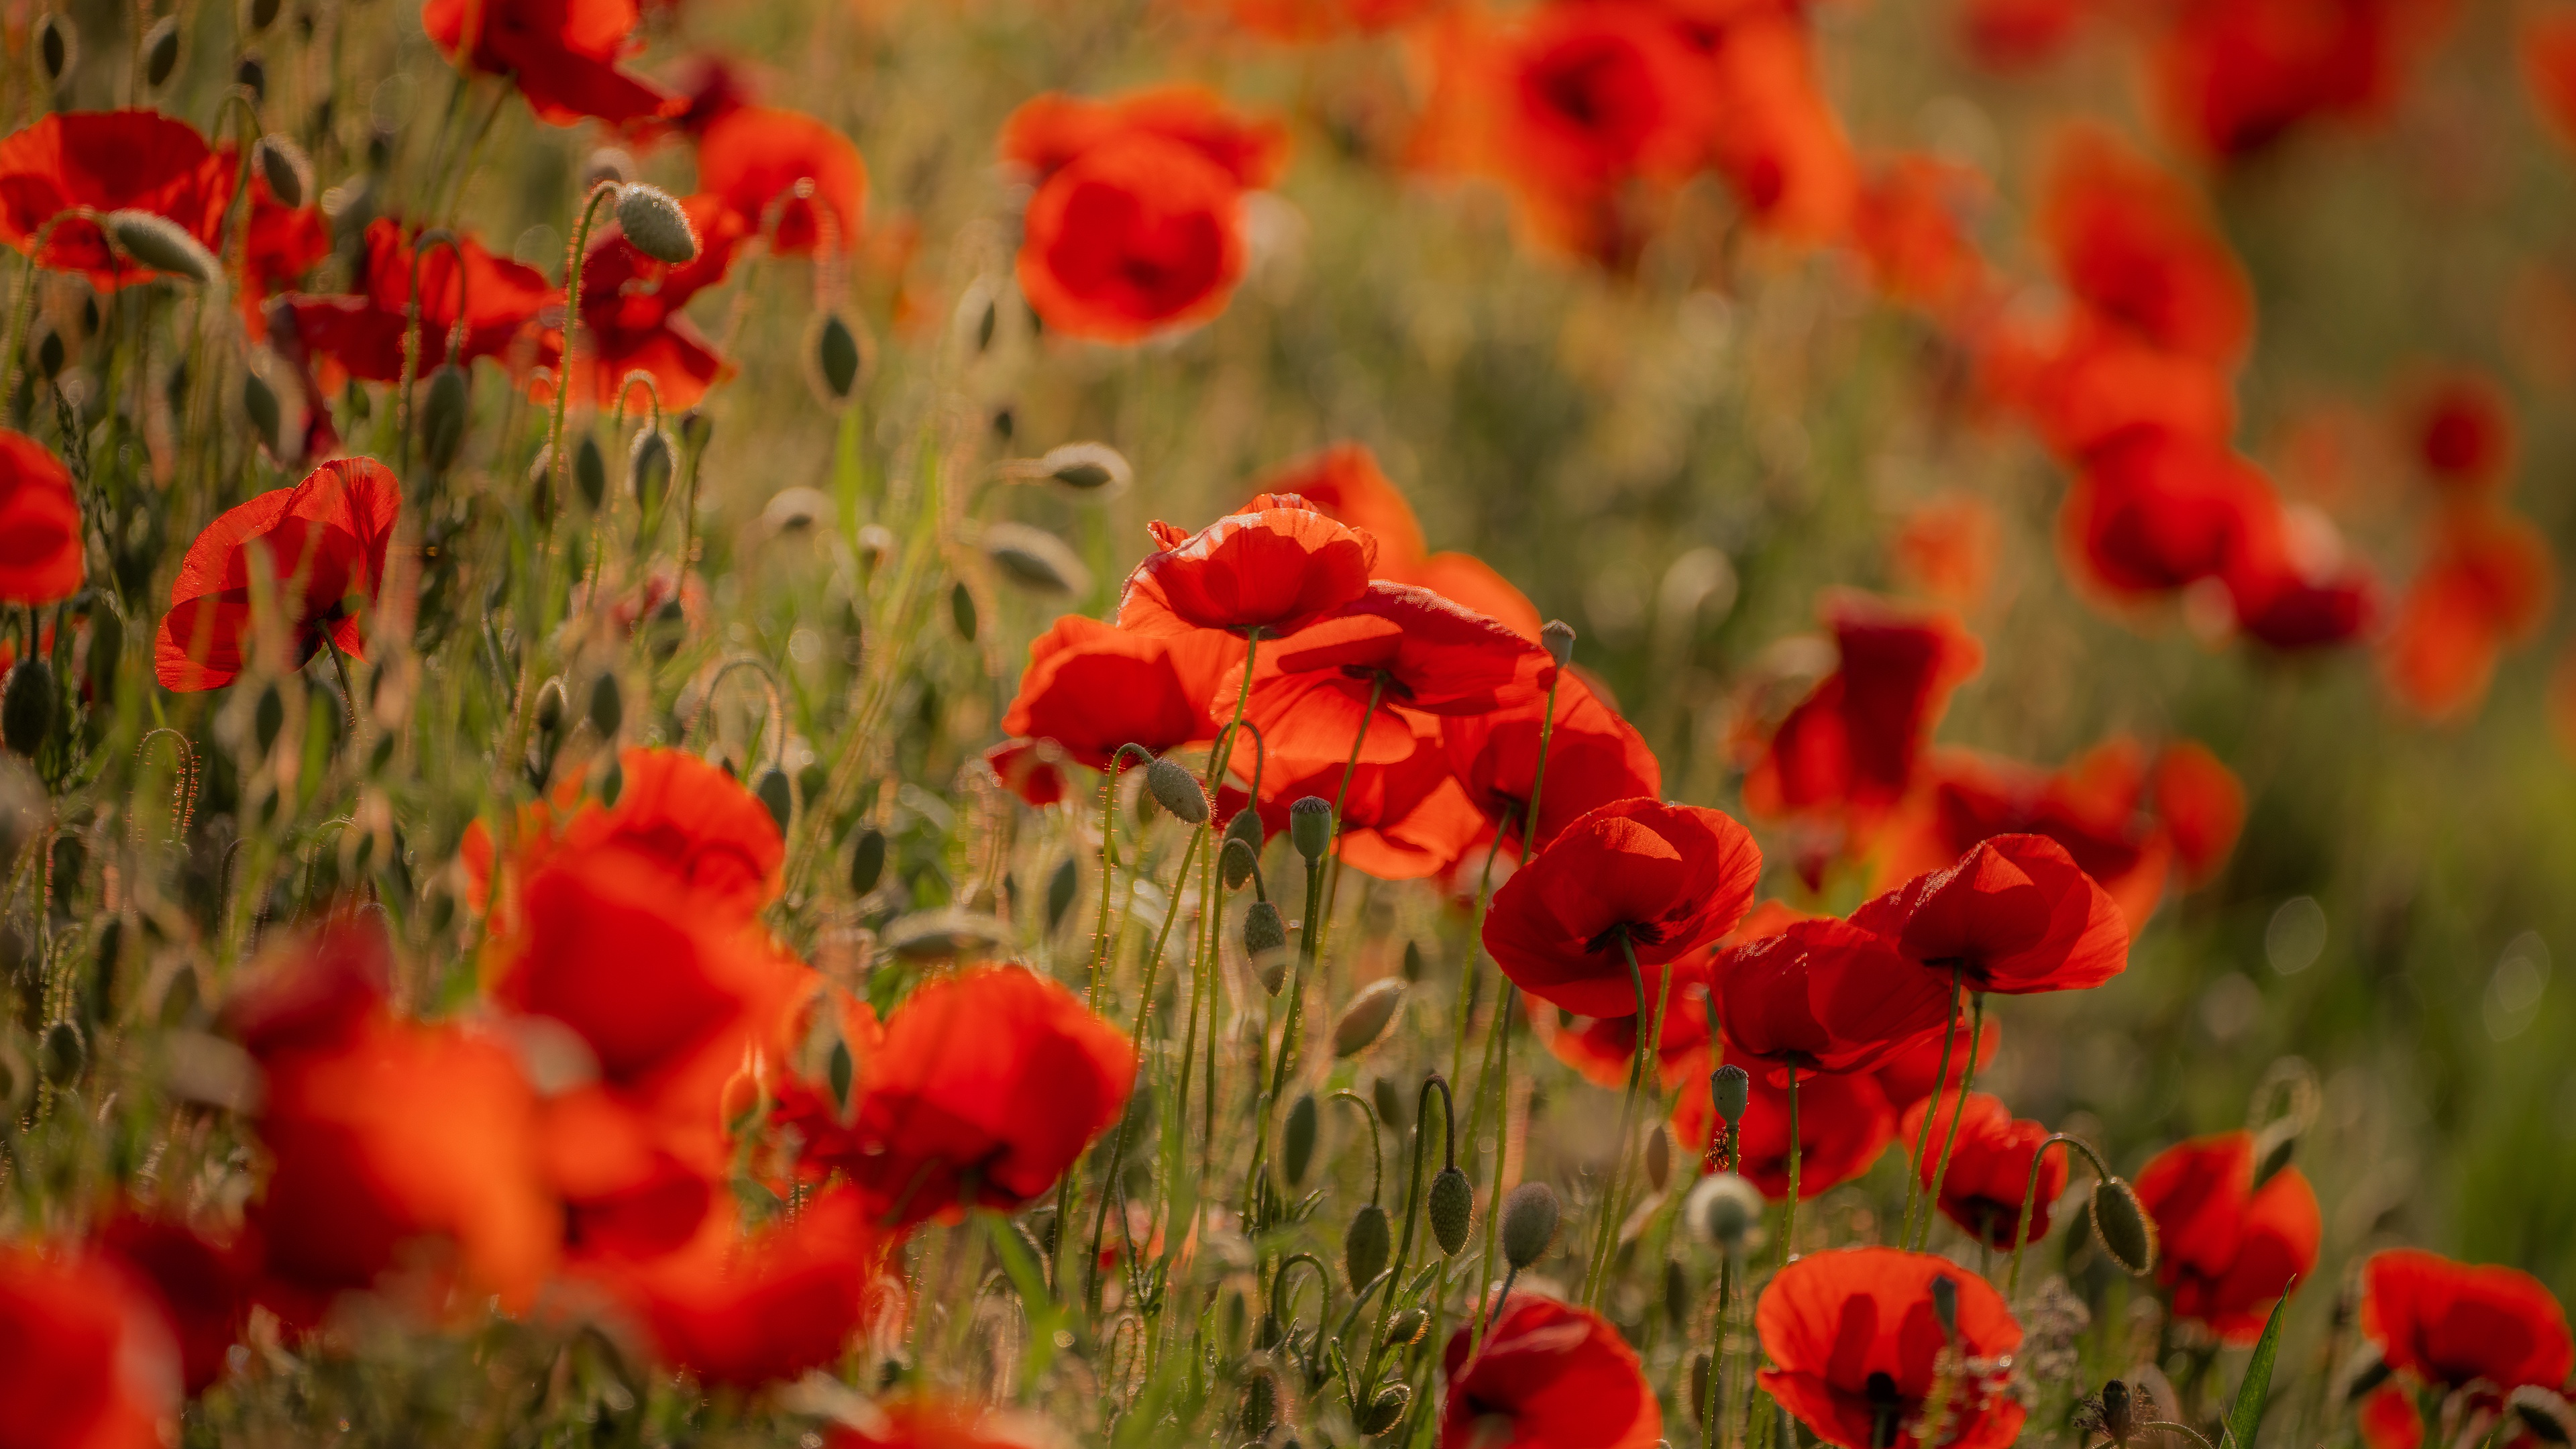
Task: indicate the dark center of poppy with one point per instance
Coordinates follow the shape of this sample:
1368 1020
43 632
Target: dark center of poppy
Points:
1639 933
1884 1404
1366 674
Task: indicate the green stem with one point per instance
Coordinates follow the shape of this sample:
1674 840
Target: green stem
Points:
2030 1196
1144 1008
1613 1189
1923 1137
1967 1079
1789 1212
1341 798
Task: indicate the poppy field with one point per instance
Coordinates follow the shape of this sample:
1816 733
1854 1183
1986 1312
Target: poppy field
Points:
1496 724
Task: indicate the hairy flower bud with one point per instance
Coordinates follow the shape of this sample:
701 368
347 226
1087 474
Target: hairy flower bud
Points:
551 706
1385 1410
1366 1245
867 861
838 358
1177 790
655 225
1724 1210
1236 863
1297 1140
57 46
1452 1209
2120 1221
1265 942
27 703
1310 827
1530 1215
1094 471
1365 1019
607 707
1558 638
442 417
590 472
163 245
777 794
649 463
1035 559
285 167
161 51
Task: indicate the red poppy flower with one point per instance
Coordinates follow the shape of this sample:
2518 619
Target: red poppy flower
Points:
1914 1073
1853 741
1412 647
631 317
695 823
2451 1325
2545 45
203 1286
323 543
1771 129
1824 995
2092 807
988 1084
85 1361
2136 247
284 243
1346 484
1911 227
2090 383
627 1196
1595 95
106 161
2008 35
2290 611
1666 879
756 158
2202 805
2463 432
1844 1123
1052 131
363 332
1403 816
1855 1347
1277 566
2234 75
2228 1250
1548 1376
2157 509
2486 585
563 54
41 558
2388 1419
769 1309
1593 758
922 1421
2015 915
1092 687
1989 1166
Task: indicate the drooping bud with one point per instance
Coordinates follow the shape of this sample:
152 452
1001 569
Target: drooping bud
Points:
590 472
1365 1019
27 703
551 706
1530 1216
2273 1149
838 358
1724 1210
1035 559
1366 1245
1245 827
51 354
258 15
1310 827
2120 1221
251 74
267 716
1390 1101
1236 863
1558 638
57 47
285 167
1094 471
649 462
607 707
1406 1327
1729 1088
1452 1209
1265 942
612 781
442 417
607 164
1297 1140
161 51
775 793
867 861
1177 790
62 1053
163 245
655 225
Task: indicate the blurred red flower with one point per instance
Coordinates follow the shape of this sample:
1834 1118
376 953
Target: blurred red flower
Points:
1852 744
1547 1376
1844 1123
1771 130
2232 76
2463 432
632 318
2201 804
2486 585
284 243
203 1284
2454 1326
85 1361
1855 1346
1593 758
106 161
987 1085
1989 1166
1092 687
363 331
1910 226
1411 647
1403 816
1345 483
2136 246
2016 914
2546 46
755 158
1911 1075
1135 226
1824 995
562 54
1277 566
2007 35
41 558
769 1309
1666 879
323 544
2228 1249
2156 509
2093 806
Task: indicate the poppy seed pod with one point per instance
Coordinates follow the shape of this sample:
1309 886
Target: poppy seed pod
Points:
1265 940
1729 1088
27 703
1724 1209
1384 1411
1297 1140
1236 863
161 51
1365 1019
285 167
1530 1215
2119 1411
442 417
1094 471
1035 559
1366 1245
590 473
867 861
1310 827
1452 1209
2120 1221
57 46
838 358
50 355
777 795
260 408
1558 638
1177 790
655 225
607 707
161 244
649 461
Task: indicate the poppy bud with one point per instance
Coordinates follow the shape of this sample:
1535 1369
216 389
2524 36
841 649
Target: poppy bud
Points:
442 417
551 706
267 716
1265 941
1245 827
61 1053
27 705
1389 1099
2278 1144
1724 1209
1558 637
1035 559
1177 790
1297 1140
285 167
961 611
161 51
1452 1208
2120 1221
1659 1158
1406 1328
1729 1087
777 795
1094 471
867 861
1945 1305
612 782
607 707
1236 863
161 244
1310 827
251 74
50 355
838 358
838 1073
590 473
648 468
260 407
1366 1245
1529 1223
655 225
57 46
1384 1410
1365 1019
258 15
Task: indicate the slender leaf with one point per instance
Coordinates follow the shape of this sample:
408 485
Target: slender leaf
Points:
2247 1415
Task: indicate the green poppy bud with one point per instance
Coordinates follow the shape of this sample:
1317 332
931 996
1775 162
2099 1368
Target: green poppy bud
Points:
1365 1019
442 417
1265 942
777 795
1724 1210
1452 1209
1729 1088
1093 471
285 167
1385 1410
867 861
838 358
1297 1140
28 699
163 245
1407 1328
1236 862
1558 638
607 707
161 51
57 46
1177 790
655 225
1366 1245
61 1053
1035 559
2121 1223
961 611
590 472
1530 1216
551 706
1310 827
1061 889
649 461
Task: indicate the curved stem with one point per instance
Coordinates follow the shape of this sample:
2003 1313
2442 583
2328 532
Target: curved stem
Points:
1412 1208
1967 1079
1108 861
1377 1143
2030 1196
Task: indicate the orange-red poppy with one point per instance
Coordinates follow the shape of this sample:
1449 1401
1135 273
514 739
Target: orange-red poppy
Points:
322 545
1852 743
770 1308
920 1420
1844 1123
1634 876
632 318
2486 585
1824 995
202 1285
1593 758
1411 647
2454 1327
2015 914
2136 246
1276 566
1092 687
1345 482
2232 76
757 159
1855 1349
563 54
2227 1249
1915 1073
363 331
1989 1165
1547 1375
85 1360
41 557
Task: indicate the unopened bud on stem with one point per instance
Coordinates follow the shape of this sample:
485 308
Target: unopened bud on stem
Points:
1558 637
1310 827
655 225
1177 790
1530 1216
